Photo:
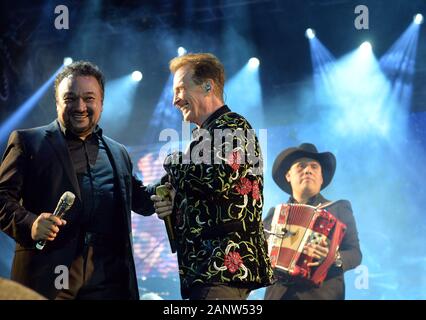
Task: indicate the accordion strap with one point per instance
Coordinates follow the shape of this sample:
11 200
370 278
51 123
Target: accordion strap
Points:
325 205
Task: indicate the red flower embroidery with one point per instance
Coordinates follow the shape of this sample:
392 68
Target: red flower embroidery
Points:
255 190
234 160
244 187
233 261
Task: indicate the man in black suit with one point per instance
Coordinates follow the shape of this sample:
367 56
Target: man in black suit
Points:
303 172
88 254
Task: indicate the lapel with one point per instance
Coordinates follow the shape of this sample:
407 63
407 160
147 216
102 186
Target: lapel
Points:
114 153
118 163
323 202
57 141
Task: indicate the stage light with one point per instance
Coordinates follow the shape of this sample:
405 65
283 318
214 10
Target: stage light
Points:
310 33
365 47
67 61
181 51
244 92
137 76
253 63
120 92
418 18
13 121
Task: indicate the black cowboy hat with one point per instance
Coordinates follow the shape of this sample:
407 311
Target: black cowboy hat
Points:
287 157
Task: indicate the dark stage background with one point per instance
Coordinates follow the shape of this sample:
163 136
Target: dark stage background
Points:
367 107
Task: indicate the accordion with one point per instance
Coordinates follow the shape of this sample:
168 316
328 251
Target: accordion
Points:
295 225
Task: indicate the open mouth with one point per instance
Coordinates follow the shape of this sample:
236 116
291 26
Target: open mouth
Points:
184 107
79 116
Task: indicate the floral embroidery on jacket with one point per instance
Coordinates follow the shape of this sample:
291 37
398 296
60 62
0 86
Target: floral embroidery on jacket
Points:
219 227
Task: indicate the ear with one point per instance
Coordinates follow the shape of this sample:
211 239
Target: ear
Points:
287 176
207 86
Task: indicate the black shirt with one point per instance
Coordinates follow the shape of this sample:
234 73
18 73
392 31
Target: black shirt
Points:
313 201
96 179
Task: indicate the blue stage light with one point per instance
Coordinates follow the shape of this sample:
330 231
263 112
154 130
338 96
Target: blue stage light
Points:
418 18
310 33
181 51
365 47
67 61
253 63
137 76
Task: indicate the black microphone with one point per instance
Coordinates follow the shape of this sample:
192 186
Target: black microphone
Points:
63 206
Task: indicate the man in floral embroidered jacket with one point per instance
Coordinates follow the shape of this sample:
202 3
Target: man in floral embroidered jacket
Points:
221 247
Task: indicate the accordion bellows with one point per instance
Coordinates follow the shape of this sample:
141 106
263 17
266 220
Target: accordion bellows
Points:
295 225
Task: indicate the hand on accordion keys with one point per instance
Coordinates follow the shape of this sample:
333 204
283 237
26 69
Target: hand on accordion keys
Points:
317 251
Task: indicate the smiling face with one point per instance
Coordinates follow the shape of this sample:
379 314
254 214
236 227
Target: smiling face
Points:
305 177
188 96
79 104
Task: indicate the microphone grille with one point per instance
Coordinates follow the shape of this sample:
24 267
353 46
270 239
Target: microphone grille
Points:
68 197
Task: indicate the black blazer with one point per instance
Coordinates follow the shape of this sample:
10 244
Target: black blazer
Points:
333 287
36 170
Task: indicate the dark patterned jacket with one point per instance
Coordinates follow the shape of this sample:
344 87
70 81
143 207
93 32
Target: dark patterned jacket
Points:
218 206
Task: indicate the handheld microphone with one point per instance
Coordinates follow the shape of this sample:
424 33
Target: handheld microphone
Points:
164 192
64 204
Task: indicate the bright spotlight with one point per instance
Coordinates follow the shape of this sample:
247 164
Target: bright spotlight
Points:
181 51
418 18
67 61
137 76
365 47
253 63
310 33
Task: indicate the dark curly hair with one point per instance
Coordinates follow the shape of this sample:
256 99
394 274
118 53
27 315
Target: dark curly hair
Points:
81 68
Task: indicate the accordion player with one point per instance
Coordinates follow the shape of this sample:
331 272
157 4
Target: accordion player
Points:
294 226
